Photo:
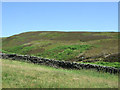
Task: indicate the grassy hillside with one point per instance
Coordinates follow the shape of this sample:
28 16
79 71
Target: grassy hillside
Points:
16 74
62 45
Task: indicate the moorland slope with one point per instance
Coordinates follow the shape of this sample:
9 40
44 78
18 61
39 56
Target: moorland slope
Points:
71 46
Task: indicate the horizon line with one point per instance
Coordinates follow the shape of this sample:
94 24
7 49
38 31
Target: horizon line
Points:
56 31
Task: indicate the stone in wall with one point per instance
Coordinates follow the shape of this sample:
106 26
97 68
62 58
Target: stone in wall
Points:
62 64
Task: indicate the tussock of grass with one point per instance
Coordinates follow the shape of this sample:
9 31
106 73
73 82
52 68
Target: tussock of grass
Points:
18 74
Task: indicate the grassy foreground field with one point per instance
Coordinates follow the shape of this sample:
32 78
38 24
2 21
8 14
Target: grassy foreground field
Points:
18 74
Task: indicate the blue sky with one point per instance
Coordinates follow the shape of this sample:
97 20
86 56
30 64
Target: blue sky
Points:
18 17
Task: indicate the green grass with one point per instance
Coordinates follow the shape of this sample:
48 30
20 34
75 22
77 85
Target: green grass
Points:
111 64
16 74
18 49
3 51
58 45
66 52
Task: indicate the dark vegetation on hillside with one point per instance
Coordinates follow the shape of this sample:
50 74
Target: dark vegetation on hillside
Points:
70 46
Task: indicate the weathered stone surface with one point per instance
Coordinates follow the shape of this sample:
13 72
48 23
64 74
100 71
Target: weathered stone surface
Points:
57 63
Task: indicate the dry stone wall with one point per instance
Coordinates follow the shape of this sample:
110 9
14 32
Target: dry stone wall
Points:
60 64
